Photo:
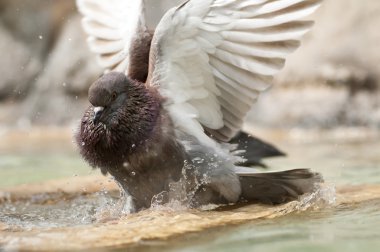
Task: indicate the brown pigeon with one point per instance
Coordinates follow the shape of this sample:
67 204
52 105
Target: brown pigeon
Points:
162 120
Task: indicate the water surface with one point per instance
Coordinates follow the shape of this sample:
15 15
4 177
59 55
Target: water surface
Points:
349 160
342 229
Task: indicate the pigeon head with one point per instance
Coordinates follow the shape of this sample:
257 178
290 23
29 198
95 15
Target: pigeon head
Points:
122 116
107 94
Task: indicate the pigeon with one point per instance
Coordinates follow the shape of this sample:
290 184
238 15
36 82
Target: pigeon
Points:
131 53
164 120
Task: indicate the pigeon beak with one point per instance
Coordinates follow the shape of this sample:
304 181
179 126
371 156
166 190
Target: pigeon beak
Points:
97 114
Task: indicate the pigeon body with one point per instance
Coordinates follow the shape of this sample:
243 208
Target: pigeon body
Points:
162 127
135 141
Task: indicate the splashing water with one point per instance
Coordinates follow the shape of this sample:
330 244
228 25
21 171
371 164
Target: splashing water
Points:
56 210
64 210
324 196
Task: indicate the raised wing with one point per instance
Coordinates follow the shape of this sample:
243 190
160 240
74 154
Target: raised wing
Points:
111 26
117 27
211 58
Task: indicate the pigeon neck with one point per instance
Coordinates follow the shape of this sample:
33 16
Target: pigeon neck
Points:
139 116
139 60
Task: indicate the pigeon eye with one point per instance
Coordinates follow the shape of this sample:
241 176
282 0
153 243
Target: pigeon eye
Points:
114 95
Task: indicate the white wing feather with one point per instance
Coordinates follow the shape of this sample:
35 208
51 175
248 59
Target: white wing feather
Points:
211 59
111 26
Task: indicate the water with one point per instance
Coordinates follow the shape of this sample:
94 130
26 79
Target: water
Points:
45 211
341 161
40 167
30 157
343 229
352 159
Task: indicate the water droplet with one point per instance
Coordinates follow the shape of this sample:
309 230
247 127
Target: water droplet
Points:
125 164
198 160
133 145
40 37
133 173
83 143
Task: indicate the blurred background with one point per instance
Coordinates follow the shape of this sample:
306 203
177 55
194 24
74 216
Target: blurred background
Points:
333 79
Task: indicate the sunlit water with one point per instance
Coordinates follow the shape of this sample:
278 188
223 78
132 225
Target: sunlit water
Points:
351 160
344 229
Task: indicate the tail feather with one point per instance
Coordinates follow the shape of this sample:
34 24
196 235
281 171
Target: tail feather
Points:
278 187
255 149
